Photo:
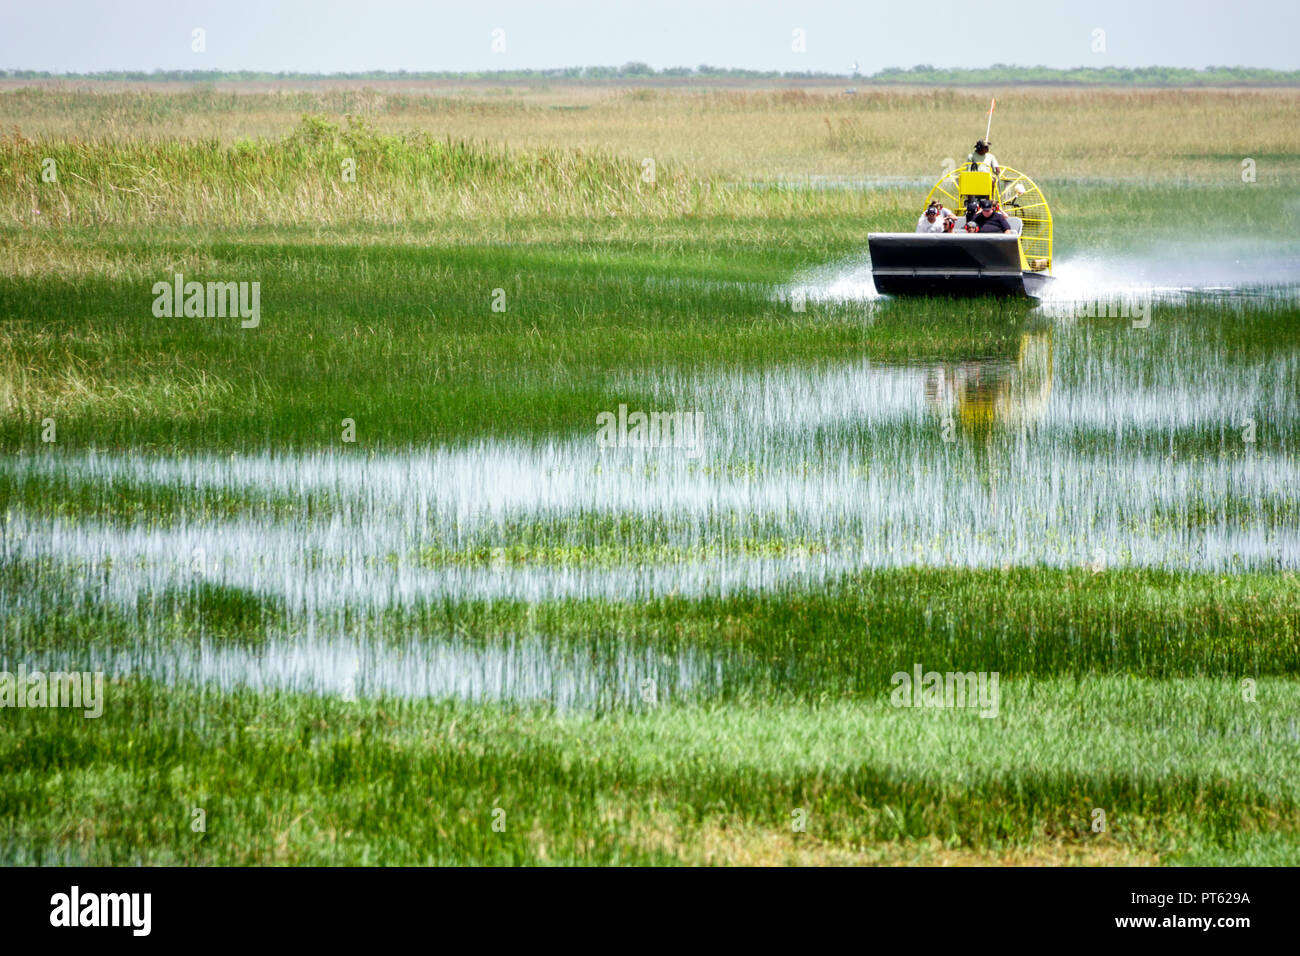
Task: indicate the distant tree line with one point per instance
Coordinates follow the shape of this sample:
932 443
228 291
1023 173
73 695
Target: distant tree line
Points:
999 74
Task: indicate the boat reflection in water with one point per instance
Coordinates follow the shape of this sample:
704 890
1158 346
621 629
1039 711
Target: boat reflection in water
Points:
978 399
971 397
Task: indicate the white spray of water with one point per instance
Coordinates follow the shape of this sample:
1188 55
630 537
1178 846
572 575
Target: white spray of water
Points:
847 281
1174 268
1164 269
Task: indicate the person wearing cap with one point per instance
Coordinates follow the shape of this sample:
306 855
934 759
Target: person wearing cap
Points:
982 160
935 219
989 219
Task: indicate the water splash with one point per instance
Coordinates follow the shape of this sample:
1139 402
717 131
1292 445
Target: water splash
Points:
1172 269
846 281
1156 270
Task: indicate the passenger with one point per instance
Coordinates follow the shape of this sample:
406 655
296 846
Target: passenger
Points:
972 208
983 161
935 219
989 219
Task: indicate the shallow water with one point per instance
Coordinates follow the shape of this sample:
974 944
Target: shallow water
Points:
851 458
512 668
1071 449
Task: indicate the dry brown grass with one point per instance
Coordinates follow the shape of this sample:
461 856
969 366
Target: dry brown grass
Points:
750 133
721 843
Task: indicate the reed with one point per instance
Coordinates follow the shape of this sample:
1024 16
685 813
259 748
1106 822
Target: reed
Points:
1189 134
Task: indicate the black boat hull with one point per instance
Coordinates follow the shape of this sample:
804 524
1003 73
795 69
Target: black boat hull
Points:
953 264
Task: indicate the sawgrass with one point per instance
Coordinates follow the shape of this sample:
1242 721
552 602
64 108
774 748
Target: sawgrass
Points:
1202 135
319 173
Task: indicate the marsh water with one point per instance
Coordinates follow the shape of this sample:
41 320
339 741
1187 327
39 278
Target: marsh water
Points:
1083 443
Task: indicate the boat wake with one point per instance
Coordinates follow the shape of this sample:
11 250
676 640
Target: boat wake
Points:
1179 268
1168 270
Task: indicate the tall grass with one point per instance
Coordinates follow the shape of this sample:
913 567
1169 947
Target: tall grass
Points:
401 180
746 134
304 177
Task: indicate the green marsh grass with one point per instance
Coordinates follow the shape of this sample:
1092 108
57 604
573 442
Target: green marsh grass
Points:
1184 771
339 320
1122 684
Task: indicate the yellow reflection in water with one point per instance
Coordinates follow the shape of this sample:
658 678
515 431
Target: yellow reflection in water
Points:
977 394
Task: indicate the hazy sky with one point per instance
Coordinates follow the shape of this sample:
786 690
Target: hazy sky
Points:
347 35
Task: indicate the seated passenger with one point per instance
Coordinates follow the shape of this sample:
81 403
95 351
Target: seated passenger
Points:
989 219
935 219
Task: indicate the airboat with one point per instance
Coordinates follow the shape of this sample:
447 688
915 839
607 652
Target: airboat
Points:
961 263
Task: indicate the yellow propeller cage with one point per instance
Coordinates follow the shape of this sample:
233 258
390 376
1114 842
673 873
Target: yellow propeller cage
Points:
957 185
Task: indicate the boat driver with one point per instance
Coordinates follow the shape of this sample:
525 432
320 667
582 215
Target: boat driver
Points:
983 161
